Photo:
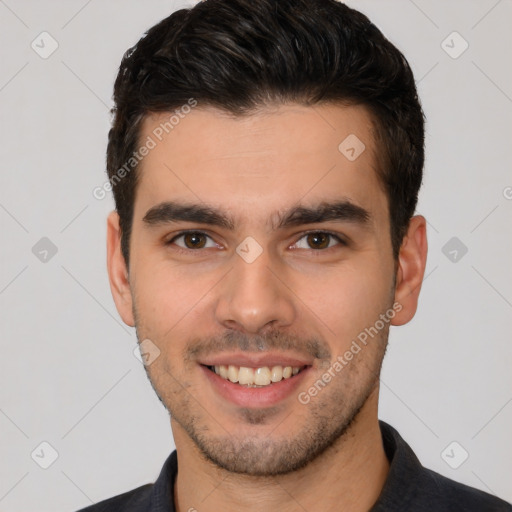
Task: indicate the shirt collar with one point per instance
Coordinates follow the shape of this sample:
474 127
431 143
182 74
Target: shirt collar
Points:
162 496
405 471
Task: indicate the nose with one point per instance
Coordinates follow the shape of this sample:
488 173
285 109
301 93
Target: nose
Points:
254 297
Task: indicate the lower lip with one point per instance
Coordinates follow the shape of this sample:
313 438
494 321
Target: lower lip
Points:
265 396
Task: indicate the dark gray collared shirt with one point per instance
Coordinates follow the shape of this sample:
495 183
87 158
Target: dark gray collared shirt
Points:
409 488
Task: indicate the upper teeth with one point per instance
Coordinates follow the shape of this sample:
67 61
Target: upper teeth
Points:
262 376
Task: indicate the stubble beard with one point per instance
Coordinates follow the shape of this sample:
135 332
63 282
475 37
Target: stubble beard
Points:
267 456
329 418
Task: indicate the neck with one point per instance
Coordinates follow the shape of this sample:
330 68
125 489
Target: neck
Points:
349 476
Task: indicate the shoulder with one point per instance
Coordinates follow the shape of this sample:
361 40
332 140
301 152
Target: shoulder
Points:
143 498
454 496
131 501
411 486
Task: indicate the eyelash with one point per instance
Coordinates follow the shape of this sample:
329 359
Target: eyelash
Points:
340 241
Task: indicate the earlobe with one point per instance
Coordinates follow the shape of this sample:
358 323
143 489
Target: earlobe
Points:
117 271
412 260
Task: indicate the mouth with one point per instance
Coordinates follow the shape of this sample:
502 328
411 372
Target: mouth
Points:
260 377
254 381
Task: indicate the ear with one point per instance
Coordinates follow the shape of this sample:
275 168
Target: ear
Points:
117 271
412 260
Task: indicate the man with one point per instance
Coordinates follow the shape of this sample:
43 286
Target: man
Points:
265 159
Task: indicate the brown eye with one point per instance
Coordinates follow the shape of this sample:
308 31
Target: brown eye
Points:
194 240
318 240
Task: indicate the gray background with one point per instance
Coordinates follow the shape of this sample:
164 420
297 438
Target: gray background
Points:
68 373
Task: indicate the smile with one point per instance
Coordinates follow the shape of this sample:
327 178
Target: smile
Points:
255 377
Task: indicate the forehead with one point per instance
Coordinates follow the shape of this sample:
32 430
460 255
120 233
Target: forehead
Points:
272 159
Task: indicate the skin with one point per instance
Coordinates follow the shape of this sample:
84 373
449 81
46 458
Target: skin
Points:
323 455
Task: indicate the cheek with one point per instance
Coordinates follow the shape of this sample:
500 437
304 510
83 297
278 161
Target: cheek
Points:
170 301
346 300
167 290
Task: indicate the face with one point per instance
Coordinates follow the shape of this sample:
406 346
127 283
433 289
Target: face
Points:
260 253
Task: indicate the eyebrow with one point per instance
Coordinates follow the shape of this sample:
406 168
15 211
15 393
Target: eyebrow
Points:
341 211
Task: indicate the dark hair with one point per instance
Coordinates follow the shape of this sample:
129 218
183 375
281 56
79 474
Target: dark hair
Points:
241 55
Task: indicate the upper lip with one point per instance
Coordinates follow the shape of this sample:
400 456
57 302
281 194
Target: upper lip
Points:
255 360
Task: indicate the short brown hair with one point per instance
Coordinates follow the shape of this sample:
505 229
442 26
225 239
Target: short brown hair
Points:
240 55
